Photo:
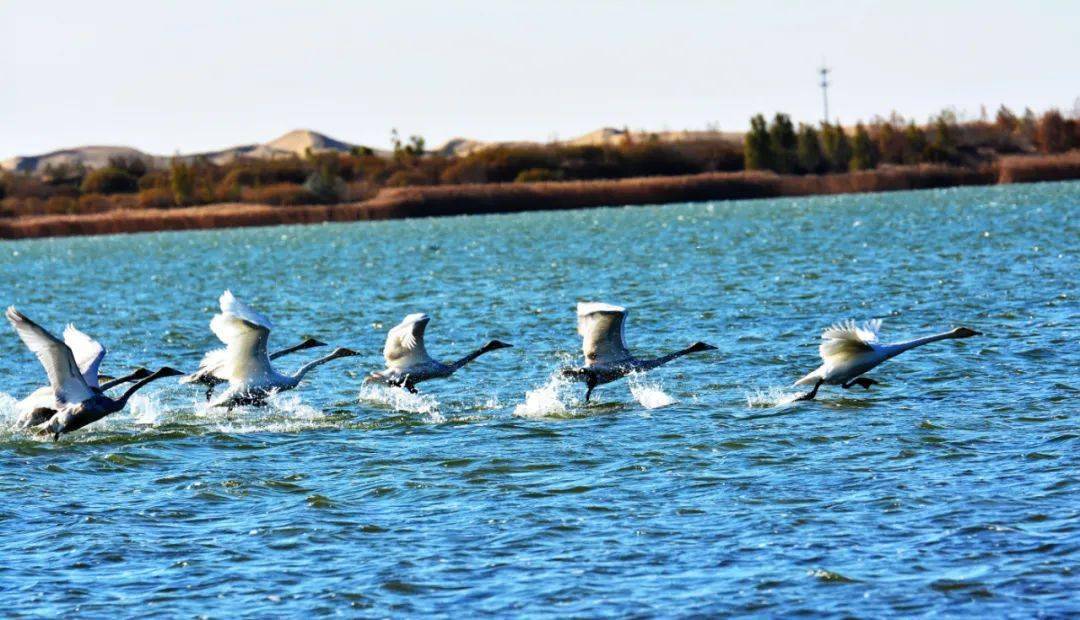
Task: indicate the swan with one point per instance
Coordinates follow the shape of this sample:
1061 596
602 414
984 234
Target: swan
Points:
407 360
245 363
849 351
76 402
210 373
602 327
40 405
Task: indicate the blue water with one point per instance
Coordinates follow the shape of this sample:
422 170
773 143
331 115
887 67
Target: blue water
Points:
950 488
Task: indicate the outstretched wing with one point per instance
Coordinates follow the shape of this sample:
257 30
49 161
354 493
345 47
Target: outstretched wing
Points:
245 334
602 329
845 341
64 377
88 353
405 342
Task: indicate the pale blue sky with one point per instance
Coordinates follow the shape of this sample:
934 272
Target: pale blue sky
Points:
198 75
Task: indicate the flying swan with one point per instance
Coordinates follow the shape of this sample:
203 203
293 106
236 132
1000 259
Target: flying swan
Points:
75 403
40 405
211 371
602 328
245 363
849 351
407 360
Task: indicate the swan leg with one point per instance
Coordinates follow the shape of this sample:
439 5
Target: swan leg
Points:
209 392
812 394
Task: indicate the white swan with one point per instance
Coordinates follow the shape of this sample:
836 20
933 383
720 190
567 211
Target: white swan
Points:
40 405
602 328
211 373
76 403
407 359
849 351
245 363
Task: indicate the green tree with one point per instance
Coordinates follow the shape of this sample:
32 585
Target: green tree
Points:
837 148
782 142
942 147
182 182
757 151
808 150
916 143
863 153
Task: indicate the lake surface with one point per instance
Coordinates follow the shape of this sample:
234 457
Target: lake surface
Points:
950 488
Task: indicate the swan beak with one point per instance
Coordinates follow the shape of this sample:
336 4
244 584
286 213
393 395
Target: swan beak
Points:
343 352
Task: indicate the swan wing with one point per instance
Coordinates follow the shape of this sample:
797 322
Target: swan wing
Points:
245 334
405 342
88 353
602 329
215 364
65 379
846 341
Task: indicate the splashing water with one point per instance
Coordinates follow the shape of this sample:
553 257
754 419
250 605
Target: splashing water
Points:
552 399
8 413
771 397
648 393
146 409
400 399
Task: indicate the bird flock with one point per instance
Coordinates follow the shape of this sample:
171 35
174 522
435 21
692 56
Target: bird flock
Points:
77 394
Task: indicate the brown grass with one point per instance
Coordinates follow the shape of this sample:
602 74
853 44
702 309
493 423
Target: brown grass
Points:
1030 168
442 200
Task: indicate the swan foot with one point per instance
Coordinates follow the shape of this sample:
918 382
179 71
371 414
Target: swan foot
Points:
861 381
209 393
812 394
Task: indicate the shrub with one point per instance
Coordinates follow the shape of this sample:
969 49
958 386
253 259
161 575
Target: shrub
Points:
406 177
325 187
279 194
109 181
1052 134
61 205
156 198
135 166
94 203
534 175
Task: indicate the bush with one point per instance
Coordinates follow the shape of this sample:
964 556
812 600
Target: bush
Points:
536 175
156 198
61 205
326 187
109 181
279 194
757 145
94 203
406 177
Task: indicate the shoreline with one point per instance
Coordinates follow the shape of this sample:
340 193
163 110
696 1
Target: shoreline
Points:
482 199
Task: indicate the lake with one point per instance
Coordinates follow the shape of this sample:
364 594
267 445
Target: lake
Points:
949 488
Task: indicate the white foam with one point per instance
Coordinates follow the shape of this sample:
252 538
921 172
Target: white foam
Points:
771 397
146 409
648 393
553 398
400 399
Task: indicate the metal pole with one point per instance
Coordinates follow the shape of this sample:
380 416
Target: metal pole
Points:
825 90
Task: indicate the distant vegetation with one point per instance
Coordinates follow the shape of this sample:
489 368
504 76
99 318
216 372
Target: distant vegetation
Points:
333 178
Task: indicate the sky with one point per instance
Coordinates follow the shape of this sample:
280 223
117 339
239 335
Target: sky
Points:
188 76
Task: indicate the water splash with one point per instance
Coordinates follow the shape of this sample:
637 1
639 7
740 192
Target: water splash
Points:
8 411
400 399
552 399
771 397
146 409
649 393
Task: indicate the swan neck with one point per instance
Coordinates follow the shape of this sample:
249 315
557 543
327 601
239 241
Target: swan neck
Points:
900 347
135 388
312 365
468 358
286 351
